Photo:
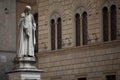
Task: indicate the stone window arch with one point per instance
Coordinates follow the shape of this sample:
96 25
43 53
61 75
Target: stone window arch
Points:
109 23
81 30
56 32
59 33
77 30
105 24
84 28
113 19
53 34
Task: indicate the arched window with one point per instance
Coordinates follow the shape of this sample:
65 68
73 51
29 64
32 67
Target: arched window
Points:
59 34
105 24
84 28
77 21
36 32
113 23
52 34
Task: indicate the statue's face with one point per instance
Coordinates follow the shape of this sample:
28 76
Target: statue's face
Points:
27 11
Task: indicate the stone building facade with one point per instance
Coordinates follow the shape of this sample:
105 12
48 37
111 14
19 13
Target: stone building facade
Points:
7 36
79 39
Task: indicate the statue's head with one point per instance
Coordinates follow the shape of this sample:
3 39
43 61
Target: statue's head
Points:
27 9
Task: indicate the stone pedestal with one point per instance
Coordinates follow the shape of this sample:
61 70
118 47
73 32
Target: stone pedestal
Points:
25 69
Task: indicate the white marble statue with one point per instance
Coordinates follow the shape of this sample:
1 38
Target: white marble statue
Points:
26 39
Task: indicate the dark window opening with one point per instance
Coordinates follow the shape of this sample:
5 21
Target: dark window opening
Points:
82 79
77 21
52 34
59 34
105 25
110 77
113 23
84 28
36 32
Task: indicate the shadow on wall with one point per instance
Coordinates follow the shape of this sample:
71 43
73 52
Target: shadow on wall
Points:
6 64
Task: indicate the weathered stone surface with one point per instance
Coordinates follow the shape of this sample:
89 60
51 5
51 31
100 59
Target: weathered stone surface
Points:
91 61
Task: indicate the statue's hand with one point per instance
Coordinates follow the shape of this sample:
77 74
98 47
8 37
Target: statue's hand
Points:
27 32
34 26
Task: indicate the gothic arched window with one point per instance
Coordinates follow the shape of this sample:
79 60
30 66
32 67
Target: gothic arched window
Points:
52 34
84 28
59 34
77 22
113 23
105 24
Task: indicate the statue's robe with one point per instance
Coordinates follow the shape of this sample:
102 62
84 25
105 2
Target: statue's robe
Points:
26 39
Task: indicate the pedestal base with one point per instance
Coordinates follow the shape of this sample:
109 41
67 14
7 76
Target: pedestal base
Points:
25 74
26 70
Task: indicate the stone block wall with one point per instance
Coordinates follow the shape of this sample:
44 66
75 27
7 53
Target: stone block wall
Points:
92 61
8 25
67 10
7 36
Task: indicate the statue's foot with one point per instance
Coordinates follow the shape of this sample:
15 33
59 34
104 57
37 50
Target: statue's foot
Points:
25 56
30 56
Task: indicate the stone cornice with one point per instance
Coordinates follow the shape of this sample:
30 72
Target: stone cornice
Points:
7 51
27 1
101 45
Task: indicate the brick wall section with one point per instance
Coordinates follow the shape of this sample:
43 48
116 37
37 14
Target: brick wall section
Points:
90 61
67 10
94 60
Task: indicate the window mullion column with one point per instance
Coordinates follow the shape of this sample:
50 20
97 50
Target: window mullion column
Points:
109 26
81 32
56 33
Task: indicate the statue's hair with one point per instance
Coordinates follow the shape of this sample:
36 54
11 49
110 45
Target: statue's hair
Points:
29 7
